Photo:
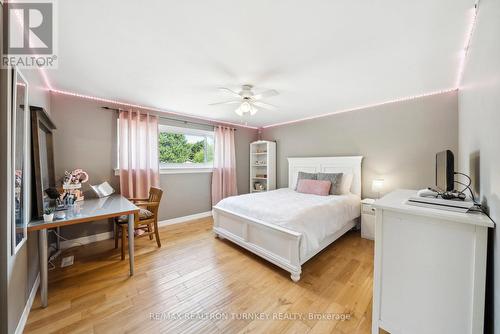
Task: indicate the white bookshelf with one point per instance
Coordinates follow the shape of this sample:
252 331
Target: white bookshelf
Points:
262 165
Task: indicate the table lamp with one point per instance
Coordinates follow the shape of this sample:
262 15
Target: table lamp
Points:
378 186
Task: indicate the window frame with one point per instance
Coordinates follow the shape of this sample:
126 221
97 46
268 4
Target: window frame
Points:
171 168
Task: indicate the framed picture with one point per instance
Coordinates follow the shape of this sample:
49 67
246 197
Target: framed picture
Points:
20 158
43 158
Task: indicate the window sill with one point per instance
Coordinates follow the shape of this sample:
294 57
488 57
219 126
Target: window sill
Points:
184 170
180 170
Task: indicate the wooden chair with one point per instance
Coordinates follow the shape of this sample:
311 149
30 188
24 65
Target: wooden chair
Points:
146 220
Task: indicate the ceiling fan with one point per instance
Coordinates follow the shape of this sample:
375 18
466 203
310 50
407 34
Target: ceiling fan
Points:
248 101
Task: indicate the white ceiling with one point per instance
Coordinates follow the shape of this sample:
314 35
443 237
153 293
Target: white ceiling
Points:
321 55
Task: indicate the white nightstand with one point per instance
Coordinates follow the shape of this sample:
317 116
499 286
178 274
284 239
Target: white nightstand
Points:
367 219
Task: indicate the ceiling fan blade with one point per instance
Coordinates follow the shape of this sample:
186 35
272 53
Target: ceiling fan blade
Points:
267 93
264 105
230 91
225 102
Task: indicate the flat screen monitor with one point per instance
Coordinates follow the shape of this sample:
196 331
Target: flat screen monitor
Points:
445 171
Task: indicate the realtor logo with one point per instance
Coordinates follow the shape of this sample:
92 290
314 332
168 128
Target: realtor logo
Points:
29 34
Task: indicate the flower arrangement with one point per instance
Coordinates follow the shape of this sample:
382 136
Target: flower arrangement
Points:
78 176
72 182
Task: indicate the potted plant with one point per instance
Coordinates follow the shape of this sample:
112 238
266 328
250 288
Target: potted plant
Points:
48 214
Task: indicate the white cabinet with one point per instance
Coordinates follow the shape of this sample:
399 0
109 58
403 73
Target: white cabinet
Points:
367 219
262 166
430 268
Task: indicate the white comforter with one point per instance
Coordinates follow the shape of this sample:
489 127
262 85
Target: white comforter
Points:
316 217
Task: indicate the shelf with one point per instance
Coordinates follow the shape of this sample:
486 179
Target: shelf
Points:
262 165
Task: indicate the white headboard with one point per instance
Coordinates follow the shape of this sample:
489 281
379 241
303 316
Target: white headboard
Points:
326 165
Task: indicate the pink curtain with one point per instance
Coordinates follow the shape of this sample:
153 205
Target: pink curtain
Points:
224 175
138 153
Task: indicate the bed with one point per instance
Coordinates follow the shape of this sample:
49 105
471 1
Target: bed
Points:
288 228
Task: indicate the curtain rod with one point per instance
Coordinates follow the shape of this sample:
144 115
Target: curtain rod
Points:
170 118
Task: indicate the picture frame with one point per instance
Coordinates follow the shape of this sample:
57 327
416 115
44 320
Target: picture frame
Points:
42 139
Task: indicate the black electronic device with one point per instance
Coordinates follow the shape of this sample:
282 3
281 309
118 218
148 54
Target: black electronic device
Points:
445 178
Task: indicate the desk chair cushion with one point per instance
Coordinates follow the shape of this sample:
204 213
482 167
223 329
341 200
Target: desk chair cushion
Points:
143 215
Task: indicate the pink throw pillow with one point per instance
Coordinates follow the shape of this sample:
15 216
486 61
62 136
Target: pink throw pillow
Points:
315 187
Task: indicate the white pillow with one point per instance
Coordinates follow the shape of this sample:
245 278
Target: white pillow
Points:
345 184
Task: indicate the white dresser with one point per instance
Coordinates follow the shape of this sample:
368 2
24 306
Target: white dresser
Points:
430 268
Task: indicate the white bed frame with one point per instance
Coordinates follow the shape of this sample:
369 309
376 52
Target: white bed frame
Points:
276 244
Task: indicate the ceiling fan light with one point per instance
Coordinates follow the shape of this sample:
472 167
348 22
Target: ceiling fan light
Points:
238 111
253 110
246 107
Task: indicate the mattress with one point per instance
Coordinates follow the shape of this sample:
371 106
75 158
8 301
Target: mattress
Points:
315 217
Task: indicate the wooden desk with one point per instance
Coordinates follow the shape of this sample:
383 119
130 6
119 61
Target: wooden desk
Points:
84 212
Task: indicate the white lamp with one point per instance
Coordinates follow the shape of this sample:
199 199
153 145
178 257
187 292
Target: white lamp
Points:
377 186
245 108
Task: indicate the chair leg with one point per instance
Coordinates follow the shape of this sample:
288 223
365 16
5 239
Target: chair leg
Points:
150 232
116 235
157 235
124 239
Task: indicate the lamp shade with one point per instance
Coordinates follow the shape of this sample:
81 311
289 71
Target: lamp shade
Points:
377 185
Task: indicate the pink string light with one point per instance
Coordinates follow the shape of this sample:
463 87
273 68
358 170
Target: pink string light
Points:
138 106
463 56
465 51
360 108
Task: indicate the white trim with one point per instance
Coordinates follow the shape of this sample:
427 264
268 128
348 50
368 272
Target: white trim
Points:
65 244
27 308
184 219
26 158
180 170
186 170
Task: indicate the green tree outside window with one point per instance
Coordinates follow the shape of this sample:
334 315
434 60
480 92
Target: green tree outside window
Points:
175 148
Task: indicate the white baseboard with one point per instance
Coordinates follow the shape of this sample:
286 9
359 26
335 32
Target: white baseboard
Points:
109 235
65 244
27 307
185 218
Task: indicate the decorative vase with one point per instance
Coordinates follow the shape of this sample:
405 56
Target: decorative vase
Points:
48 218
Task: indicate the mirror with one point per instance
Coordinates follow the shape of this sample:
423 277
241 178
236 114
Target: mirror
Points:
19 141
43 158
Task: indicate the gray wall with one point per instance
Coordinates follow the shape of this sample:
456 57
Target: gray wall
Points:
398 140
479 137
187 194
86 138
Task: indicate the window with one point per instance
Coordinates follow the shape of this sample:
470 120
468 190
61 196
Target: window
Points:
185 148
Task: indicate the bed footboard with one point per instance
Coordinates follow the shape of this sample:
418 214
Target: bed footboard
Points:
278 245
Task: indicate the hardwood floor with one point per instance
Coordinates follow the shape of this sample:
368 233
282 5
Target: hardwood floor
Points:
195 273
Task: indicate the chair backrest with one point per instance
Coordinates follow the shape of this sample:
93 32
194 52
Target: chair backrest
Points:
155 195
